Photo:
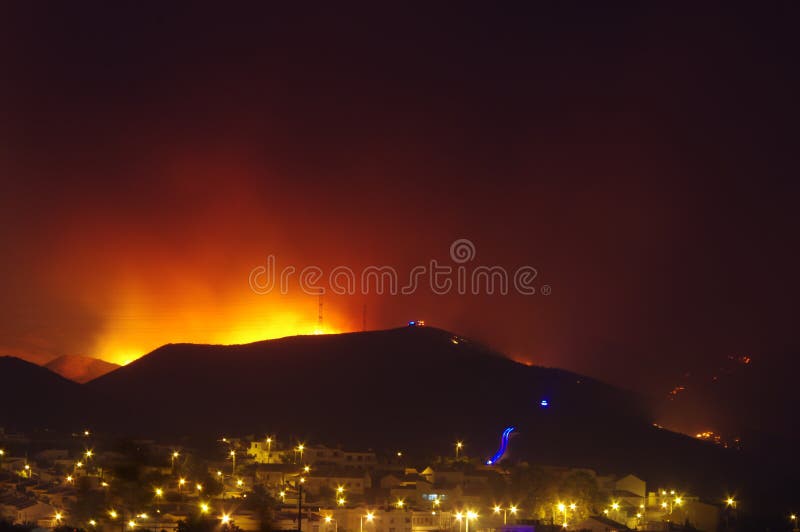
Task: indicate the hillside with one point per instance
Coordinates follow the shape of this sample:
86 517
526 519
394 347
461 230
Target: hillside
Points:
79 368
35 397
415 389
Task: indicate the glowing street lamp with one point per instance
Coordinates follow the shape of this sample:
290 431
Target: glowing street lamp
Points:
233 458
329 519
269 447
204 508
112 514
199 487
400 503
470 515
131 524
512 509
341 501
730 502
225 519
173 457
240 483
562 508
369 516
300 448
89 453
459 446
92 522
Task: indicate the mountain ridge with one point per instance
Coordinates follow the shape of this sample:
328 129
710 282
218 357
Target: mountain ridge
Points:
80 368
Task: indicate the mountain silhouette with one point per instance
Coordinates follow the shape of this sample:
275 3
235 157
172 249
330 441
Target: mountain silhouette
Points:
80 368
414 389
33 397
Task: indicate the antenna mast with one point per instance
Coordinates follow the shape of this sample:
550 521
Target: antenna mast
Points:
319 313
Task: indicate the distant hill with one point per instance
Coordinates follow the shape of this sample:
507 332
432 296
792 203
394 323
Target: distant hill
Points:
34 397
80 368
414 389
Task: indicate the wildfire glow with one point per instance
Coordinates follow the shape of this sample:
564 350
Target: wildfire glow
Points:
138 326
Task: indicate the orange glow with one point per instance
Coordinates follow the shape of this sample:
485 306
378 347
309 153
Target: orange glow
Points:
140 324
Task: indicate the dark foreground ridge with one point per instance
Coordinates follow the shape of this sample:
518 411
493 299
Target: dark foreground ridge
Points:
413 389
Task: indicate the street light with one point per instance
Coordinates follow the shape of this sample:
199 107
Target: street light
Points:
512 509
563 509
459 446
400 503
112 514
204 508
225 519
471 515
329 519
233 458
131 524
269 448
369 517
341 501
300 449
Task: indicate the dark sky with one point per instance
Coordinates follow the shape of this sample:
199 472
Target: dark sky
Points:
642 159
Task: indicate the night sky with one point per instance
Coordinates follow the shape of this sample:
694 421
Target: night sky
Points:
642 159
